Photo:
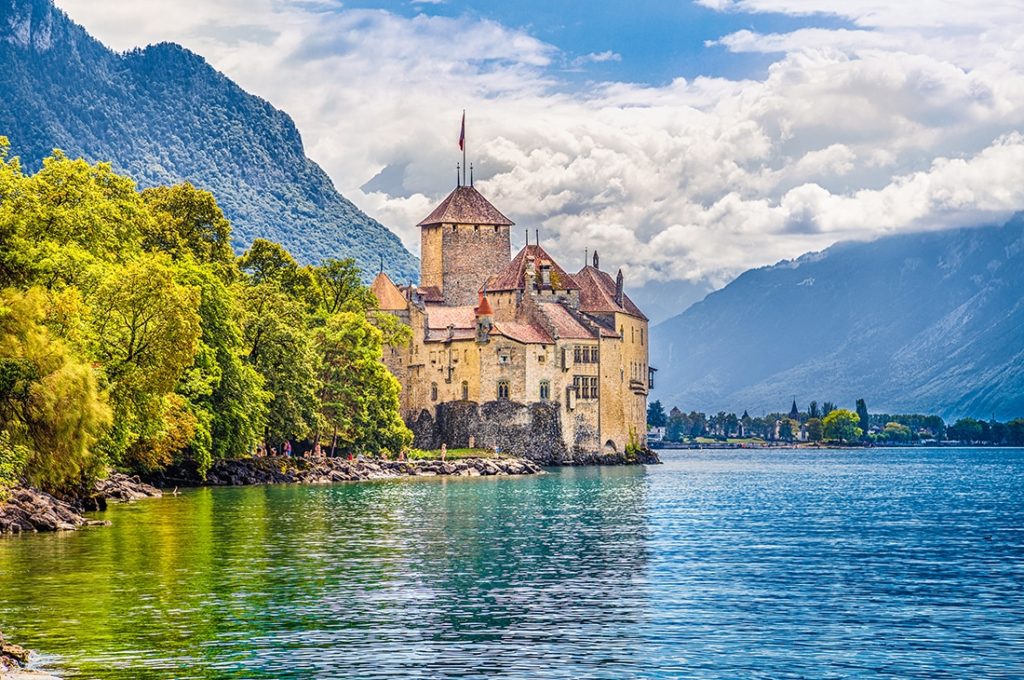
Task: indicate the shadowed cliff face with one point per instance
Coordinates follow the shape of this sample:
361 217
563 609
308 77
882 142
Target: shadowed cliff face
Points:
921 322
163 115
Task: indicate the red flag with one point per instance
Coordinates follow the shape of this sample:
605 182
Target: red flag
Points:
462 133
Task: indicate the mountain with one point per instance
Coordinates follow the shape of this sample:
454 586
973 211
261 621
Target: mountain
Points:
163 115
930 322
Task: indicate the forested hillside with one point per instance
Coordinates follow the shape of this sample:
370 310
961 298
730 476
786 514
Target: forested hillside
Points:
163 115
916 323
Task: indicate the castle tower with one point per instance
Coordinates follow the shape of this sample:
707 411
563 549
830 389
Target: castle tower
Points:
462 242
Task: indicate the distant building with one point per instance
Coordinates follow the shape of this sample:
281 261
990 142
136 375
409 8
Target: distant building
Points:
514 352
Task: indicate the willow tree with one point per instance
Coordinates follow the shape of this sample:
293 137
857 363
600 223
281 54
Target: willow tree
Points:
52 411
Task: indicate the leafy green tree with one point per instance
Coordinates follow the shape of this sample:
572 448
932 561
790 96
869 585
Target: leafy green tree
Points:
966 430
656 415
812 410
787 429
52 411
827 408
896 432
146 330
815 430
341 287
677 425
224 393
279 346
69 216
358 395
269 263
188 220
841 425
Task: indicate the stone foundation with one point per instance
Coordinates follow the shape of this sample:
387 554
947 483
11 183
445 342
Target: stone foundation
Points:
531 431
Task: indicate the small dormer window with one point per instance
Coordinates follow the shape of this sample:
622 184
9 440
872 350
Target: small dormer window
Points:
545 274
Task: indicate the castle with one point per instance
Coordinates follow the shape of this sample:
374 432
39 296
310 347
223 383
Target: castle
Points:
515 353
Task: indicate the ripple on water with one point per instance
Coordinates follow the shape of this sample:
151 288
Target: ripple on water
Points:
718 564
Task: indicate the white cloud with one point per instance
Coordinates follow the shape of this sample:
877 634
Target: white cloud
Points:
909 120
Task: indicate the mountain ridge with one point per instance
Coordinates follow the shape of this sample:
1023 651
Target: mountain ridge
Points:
927 322
161 114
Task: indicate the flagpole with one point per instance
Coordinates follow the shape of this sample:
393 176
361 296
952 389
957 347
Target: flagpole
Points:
463 147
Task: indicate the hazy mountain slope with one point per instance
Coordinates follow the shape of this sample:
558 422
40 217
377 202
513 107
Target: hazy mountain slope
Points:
162 115
922 322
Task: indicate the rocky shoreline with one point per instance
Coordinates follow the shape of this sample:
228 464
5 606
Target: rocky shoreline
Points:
29 510
281 470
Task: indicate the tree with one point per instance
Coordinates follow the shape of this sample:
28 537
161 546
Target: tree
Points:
188 220
279 346
812 410
656 415
864 419
341 287
52 411
841 425
145 332
1015 432
677 427
358 395
224 393
787 429
827 408
966 430
896 432
815 431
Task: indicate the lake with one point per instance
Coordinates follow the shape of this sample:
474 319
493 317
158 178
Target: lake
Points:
718 564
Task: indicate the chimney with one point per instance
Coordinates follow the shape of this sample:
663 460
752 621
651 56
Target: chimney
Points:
596 261
618 287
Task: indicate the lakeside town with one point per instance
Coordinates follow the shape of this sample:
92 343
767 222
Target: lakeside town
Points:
823 424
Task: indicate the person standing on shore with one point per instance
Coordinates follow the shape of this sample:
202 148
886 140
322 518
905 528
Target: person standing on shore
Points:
444 451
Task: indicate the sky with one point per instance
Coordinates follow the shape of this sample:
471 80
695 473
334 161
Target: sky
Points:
686 141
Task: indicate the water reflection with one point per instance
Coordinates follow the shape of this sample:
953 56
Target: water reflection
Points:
463 578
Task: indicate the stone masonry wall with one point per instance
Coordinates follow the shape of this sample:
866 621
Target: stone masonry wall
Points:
532 431
470 254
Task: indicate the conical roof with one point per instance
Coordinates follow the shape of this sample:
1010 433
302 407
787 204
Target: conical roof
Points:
387 293
465 205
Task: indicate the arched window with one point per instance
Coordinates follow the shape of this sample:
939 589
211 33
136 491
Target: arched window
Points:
545 390
465 391
502 389
433 391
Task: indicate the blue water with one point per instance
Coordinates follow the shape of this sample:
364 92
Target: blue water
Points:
717 564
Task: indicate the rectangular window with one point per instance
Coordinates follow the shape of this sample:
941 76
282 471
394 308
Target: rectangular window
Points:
593 388
576 352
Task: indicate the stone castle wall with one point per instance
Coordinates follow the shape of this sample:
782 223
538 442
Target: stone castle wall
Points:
532 431
470 254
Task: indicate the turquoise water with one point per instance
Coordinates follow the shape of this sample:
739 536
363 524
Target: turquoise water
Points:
718 564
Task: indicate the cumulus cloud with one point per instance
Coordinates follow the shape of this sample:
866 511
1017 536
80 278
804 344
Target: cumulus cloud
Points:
909 118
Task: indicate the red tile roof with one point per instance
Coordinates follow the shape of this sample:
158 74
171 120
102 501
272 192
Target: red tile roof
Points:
526 333
563 322
430 293
513 276
597 294
440 317
465 205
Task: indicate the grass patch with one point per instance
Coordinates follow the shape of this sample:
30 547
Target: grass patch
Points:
435 454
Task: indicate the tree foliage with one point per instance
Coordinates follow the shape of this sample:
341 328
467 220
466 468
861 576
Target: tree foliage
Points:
131 336
841 425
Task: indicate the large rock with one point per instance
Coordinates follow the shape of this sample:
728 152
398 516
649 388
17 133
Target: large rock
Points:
30 510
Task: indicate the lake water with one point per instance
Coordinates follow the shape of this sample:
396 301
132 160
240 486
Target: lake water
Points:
717 564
